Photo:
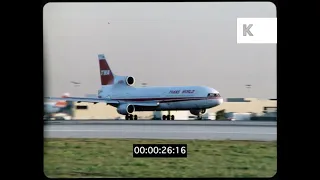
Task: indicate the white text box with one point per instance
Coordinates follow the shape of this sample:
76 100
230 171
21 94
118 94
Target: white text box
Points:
256 30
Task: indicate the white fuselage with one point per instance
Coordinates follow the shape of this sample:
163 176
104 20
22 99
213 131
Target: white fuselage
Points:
169 98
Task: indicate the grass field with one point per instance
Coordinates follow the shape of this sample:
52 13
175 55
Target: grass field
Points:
113 158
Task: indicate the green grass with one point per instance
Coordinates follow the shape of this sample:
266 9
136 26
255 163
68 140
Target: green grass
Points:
65 158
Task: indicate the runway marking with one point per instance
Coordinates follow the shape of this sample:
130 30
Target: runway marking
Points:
144 131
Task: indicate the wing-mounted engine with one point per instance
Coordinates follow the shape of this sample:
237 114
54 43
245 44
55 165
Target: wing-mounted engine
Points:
128 80
198 111
125 109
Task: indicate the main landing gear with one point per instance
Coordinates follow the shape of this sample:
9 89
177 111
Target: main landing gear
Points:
131 117
168 117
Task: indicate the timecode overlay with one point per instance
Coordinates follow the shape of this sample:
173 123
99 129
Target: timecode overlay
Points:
160 150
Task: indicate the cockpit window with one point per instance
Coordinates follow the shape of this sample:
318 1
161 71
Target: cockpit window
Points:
214 95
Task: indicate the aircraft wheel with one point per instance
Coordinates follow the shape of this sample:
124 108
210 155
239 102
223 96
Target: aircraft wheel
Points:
135 117
127 117
131 117
168 117
199 117
172 117
164 117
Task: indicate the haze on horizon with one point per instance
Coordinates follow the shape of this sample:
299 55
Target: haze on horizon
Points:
161 44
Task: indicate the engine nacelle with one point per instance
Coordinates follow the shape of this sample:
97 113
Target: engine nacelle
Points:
130 80
198 111
125 109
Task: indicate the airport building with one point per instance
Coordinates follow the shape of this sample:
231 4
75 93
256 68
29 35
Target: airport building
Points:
236 105
247 105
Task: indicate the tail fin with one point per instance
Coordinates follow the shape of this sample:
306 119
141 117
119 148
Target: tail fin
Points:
106 74
63 103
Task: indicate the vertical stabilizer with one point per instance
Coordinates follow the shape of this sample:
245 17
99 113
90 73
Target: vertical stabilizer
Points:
106 74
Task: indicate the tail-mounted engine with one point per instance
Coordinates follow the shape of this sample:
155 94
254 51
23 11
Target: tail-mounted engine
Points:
130 80
127 80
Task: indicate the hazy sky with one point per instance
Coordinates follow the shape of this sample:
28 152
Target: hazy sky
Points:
162 44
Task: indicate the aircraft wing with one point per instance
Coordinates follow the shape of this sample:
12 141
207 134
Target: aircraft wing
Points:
83 99
99 100
145 104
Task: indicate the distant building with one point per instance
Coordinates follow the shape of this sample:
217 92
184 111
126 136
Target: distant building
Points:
245 105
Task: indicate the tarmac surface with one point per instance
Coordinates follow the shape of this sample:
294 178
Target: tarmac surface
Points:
153 129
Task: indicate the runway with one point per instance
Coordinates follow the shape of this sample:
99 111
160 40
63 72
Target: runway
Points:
215 130
159 122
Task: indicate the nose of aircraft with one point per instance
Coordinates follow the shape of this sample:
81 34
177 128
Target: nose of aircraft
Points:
220 101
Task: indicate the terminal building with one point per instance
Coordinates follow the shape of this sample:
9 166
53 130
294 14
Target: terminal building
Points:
259 107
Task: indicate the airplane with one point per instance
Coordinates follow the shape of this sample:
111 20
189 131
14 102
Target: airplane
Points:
74 82
119 92
55 107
